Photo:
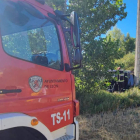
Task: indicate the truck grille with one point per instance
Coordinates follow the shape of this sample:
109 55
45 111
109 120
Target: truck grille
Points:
66 137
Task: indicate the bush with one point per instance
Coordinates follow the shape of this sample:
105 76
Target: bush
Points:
103 101
127 62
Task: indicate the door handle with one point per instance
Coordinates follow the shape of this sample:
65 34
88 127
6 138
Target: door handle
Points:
5 91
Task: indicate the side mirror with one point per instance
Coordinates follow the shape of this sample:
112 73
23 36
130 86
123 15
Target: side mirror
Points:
75 31
75 38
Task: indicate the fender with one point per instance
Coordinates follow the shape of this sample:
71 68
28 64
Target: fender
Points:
11 120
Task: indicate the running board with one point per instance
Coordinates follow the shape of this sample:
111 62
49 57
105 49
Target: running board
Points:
66 137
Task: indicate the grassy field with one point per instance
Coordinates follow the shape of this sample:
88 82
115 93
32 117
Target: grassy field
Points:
119 125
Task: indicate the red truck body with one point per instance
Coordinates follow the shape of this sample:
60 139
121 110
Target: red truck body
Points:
42 92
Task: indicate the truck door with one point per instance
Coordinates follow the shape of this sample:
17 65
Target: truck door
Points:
34 52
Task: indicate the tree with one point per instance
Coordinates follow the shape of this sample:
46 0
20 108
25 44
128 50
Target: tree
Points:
117 35
98 59
96 18
58 4
126 44
129 44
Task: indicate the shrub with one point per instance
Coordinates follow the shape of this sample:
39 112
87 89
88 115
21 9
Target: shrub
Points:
103 101
127 62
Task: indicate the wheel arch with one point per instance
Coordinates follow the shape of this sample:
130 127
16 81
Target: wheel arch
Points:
13 120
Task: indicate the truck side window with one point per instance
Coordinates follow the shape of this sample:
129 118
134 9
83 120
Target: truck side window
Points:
32 39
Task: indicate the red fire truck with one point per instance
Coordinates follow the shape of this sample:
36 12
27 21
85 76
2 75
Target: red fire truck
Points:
37 89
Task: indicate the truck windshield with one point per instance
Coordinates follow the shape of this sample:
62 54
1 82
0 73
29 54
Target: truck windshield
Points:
29 35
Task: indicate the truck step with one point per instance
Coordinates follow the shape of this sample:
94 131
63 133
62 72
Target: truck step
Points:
66 137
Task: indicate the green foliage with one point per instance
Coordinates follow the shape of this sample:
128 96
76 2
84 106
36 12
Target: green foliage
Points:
117 35
119 2
57 4
129 44
98 59
97 17
102 101
127 62
126 44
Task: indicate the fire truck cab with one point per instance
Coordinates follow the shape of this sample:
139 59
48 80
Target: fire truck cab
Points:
37 89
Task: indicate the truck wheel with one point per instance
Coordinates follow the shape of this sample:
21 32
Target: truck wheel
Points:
21 133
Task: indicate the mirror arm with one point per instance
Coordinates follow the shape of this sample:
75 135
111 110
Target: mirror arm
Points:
62 16
66 15
66 19
68 68
76 67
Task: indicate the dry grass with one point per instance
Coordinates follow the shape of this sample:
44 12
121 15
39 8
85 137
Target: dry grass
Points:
119 125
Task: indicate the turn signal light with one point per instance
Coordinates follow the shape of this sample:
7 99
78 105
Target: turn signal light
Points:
34 122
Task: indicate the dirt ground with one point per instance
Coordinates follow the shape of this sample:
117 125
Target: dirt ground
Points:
118 125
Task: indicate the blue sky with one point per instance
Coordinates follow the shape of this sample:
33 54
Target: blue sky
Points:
128 25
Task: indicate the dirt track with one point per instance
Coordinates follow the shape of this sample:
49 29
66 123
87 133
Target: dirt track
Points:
120 125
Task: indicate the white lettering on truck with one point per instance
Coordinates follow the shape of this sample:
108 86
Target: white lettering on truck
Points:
53 116
57 118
